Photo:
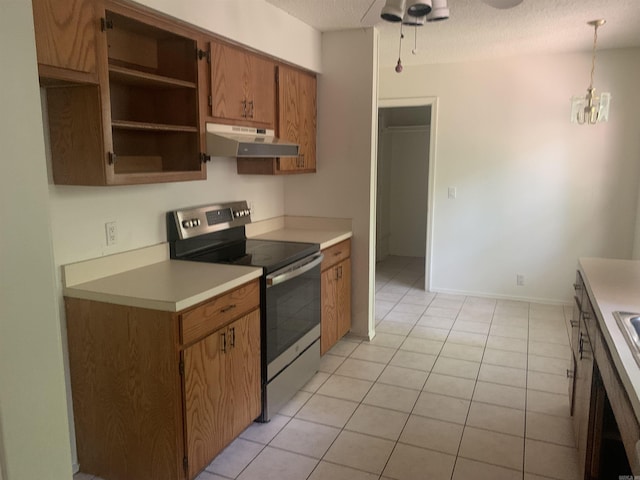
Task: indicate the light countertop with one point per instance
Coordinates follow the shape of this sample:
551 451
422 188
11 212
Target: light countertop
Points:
614 285
323 237
324 231
162 284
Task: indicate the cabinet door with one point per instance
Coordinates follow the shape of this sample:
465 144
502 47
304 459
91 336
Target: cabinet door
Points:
329 319
297 117
221 388
583 400
262 101
206 400
66 34
242 86
243 372
344 298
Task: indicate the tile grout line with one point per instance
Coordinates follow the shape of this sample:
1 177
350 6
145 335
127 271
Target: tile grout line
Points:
418 396
526 394
472 394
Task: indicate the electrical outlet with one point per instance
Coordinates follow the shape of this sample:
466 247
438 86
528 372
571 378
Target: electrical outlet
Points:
112 233
520 280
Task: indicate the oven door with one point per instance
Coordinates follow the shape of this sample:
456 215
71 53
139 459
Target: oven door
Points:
293 311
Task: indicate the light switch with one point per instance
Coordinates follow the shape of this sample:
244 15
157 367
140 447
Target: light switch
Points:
452 192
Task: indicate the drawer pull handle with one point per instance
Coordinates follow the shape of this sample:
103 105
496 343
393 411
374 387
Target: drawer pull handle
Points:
574 323
577 286
586 315
337 253
569 373
223 342
232 334
227 308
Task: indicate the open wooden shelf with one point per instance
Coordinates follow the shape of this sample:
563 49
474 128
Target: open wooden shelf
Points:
152 127
139 78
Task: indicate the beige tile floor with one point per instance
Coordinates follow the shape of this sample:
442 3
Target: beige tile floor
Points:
451 387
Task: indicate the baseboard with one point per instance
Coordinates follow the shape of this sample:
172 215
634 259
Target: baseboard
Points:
546 301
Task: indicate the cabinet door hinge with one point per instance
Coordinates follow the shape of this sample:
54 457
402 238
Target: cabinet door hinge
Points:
203 54
185 463
181 368
210 101
204 158
106 24
112 158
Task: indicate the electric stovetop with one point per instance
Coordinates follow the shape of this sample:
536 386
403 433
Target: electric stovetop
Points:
271 255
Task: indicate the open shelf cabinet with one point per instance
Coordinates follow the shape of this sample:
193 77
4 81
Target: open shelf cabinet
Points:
141 122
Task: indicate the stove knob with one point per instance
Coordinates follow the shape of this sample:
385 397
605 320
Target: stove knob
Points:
248 211
196 222
186 223
236 214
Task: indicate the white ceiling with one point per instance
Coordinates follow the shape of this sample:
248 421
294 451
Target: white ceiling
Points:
478 31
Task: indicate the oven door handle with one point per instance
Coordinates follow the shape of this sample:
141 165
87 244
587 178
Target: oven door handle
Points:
294 270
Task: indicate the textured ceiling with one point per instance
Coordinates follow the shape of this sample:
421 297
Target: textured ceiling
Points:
477 31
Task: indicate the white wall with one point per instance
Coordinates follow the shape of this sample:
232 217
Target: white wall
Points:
535 192
344 185
33 414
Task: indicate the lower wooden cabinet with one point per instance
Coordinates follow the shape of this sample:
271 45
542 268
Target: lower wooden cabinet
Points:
606 429
157 395
222 388
336 295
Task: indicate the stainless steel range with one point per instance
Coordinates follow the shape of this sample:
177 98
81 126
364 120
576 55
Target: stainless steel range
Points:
289 294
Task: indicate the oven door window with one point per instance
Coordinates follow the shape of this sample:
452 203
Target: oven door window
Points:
293 309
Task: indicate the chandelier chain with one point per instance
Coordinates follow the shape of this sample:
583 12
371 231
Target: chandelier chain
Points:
593 56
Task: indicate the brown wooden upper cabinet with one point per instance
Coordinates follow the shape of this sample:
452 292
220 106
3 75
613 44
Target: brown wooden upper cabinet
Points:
297 112
141 122
242 87
66 33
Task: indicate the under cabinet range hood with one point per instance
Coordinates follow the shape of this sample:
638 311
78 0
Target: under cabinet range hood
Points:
234 141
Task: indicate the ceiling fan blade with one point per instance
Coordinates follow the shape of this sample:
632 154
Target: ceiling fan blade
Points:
502 4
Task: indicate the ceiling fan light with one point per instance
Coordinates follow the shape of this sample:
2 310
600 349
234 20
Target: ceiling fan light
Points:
503 4
418 8
414 21
440 11
393 11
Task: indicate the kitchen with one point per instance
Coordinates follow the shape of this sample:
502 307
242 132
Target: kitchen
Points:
549 210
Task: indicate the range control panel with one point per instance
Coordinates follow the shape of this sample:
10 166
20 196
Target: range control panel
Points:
195 221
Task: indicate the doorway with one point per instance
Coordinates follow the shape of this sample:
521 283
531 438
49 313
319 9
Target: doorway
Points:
404 197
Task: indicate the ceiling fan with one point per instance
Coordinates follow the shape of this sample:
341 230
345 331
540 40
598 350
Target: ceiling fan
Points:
399 10
416 12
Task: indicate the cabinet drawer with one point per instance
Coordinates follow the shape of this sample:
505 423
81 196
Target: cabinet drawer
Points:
336 254
219 311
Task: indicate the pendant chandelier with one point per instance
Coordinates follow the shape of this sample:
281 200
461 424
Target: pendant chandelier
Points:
591 108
